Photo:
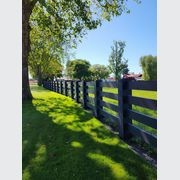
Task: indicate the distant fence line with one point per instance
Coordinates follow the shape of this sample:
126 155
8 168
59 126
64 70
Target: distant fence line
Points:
80 91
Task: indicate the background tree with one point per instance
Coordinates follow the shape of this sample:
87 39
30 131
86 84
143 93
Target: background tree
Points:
99 72
46 51
149 67
117 64
67 20
78 69
45 69
125 71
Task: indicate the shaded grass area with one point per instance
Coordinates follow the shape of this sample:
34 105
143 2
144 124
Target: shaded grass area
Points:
63 141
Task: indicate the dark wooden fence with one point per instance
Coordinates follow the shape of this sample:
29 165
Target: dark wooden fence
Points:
91 95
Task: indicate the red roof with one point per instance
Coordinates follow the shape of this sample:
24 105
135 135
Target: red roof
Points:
132 76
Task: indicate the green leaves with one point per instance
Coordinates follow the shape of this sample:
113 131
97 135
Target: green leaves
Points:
78 69
149 67
58 25
46 51
99 72
69 19
117 64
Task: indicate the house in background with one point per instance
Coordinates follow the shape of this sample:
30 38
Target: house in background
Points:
133 76
110 79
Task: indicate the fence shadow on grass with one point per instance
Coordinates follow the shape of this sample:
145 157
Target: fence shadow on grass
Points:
62 141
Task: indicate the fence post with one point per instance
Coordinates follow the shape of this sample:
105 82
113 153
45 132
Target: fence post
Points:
57 86
48 84
84 94
126 106
51 85
121 123
77 91
61 87
65 88
98 98
72 89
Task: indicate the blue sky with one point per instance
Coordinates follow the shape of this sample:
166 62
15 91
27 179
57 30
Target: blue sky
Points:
138 29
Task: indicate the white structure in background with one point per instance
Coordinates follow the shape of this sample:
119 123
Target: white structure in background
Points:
30 77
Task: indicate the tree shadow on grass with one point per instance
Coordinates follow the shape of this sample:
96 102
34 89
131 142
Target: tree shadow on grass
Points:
62 141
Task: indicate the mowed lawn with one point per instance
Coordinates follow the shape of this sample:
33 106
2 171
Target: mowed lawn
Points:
62 141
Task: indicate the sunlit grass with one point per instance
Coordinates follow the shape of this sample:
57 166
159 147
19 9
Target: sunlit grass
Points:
63 141
116 169
76 144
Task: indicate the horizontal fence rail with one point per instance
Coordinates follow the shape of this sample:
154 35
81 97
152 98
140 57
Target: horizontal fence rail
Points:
146 103
144 119
92 96
110 106
110 95
143 85
147 137
110 84
109 116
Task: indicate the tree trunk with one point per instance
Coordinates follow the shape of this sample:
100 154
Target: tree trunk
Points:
26 12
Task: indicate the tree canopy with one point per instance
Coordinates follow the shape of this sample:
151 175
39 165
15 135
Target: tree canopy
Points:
117 64
68 21
64 22
78 69
46 52
99 71
149 67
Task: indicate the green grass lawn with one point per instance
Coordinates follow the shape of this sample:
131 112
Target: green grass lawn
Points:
63 141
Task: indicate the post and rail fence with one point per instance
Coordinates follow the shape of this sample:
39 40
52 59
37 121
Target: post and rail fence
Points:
91 96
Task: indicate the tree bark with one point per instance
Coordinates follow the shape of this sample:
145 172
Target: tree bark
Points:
26 12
